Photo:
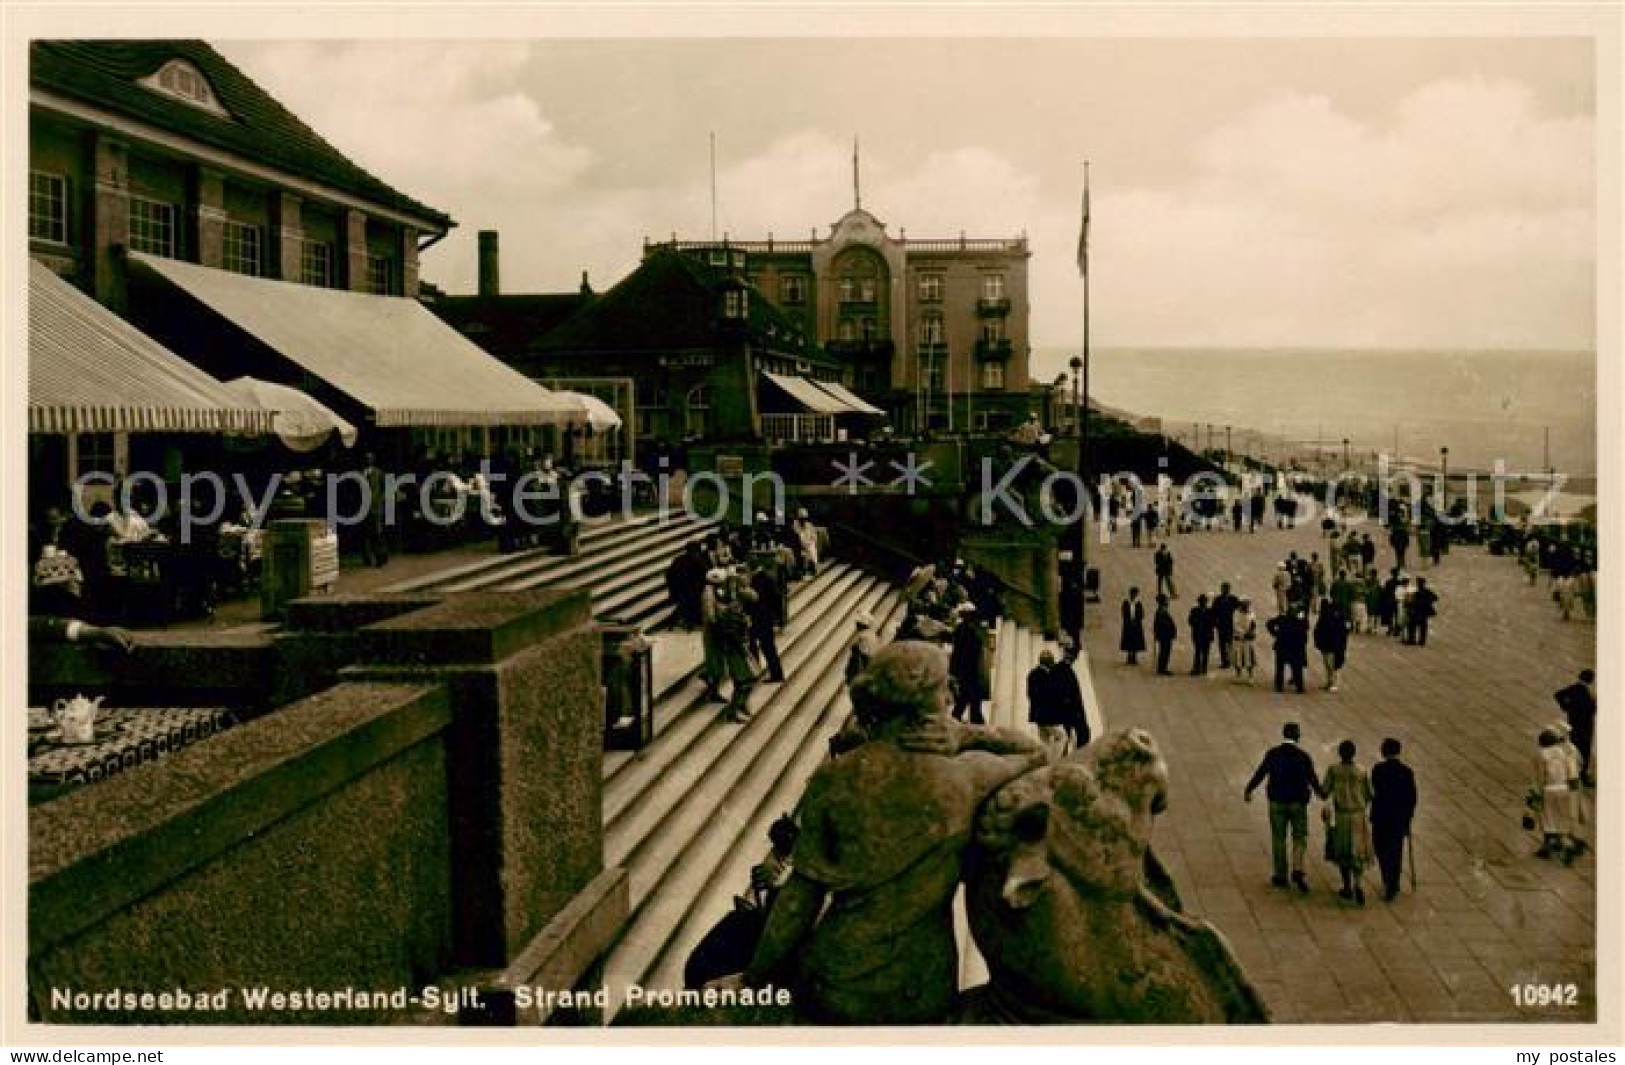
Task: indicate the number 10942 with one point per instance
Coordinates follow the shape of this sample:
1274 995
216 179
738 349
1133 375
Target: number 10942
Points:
1545 995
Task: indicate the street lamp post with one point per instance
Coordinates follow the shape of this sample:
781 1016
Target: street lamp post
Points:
1345 454
1444 479
1080 417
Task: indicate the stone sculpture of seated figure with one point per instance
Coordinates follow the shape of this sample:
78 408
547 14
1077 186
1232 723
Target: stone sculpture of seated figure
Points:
1061 909
863 932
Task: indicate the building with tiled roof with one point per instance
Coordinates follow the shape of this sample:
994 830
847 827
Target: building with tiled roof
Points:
166 148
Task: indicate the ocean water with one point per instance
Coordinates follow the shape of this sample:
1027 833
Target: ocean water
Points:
1483 406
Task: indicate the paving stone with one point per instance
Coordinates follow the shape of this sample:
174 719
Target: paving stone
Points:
1467 707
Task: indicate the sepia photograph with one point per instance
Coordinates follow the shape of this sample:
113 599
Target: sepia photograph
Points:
711 523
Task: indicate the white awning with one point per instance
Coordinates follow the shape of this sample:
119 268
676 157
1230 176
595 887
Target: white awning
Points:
809 395
854 403
90 371
387 353
600 415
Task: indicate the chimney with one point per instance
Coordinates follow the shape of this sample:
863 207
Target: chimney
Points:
586 286
490 264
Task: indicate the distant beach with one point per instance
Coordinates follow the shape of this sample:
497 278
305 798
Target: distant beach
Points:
1523 408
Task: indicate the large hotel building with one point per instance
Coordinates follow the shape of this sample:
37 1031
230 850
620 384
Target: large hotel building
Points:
934 331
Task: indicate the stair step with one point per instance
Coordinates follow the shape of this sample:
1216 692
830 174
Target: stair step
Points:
737 767
675 720
722 862
629 816
603 561
498 561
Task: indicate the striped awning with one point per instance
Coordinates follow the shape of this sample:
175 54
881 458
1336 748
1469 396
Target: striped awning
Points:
389 354
854 403
809 395
90 371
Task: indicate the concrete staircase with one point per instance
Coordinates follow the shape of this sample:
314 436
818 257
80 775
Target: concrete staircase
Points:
623 562
688 815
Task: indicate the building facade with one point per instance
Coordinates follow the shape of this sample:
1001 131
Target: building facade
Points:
934 331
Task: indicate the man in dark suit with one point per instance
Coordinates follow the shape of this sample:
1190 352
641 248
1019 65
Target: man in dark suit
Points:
1579 704
965 665
1163 632
1201 622
1422 608
1291 636
1393 803
1292 779
1224 622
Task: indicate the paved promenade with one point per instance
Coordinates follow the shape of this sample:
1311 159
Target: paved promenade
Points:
1486 914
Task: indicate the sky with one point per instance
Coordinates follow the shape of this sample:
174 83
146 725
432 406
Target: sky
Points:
1357 192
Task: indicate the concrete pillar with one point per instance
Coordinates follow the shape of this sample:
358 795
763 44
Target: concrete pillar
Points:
109 220
490 264
524 754
355 251
409 262
211 217
287 236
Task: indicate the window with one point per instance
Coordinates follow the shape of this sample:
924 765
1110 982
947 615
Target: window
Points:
867 329
152 227
47 207
792 289
316 263
866 289
380 275
735 303
717 257
931 329
993 375
847 329
185 82
244 248
739 260
96 454
848 289
993 330
930 288
993 286
931 372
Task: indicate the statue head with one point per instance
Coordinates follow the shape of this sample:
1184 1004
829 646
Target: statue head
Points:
905 684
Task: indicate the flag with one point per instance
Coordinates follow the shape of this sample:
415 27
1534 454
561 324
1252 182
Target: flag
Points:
1083 232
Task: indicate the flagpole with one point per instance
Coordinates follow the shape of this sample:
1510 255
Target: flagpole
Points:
1082 414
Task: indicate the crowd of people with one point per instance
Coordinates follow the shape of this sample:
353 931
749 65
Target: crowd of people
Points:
734 587
1309 609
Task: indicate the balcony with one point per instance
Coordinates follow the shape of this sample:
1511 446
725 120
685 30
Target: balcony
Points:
993 308
993 350
857 350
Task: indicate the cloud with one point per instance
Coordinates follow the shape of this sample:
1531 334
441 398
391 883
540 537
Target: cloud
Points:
1463 214
1466 218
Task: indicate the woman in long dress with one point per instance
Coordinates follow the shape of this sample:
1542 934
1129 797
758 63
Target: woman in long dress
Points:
1133 639
1348 791
1243 652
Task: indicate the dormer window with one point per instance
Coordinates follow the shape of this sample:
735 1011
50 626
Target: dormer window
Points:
735 303
185 82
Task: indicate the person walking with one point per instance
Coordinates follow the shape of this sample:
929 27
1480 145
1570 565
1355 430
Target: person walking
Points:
763 609
1578 702
1291 777
1163 563
1393 805
1558 792
374 531
1282 586
1331 640
1224 623
965 664
1347 790
1244 656
1055 706
1291 643
1164 631
1399 538
1132 641
1421 608
1201 623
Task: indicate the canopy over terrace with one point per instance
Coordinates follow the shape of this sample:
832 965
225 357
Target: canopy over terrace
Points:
89 371
387 354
